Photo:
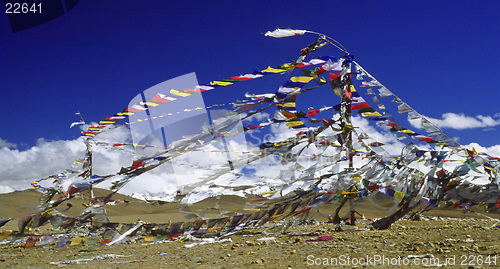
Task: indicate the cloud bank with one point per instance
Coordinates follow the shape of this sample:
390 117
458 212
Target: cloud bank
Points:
20 167
461 122
6 144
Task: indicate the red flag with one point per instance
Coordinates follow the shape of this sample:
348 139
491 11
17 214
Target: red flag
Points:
30 243
334 76
240 78
302 211
312 113
320 71
360 105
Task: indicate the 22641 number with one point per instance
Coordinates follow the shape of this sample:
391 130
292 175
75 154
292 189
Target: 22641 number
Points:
23 8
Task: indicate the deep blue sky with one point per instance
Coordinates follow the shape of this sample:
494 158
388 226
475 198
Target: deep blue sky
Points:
439 56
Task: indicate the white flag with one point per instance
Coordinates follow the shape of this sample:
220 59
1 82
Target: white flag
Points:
284 32
76 123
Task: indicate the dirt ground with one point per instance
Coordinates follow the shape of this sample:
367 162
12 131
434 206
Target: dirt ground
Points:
445 238
428 243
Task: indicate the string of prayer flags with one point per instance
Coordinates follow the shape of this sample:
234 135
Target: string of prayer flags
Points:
172 95
307 164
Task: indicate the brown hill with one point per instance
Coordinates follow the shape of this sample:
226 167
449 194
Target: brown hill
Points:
22 203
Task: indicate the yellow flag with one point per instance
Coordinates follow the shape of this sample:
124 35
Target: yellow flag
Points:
251 209
406 131
301 79
294 123
371 114
399 195
279 144
268 192
348 128
183 94
337 91
273 70
5 234
149 104
76 241
275 217
213 229
221 83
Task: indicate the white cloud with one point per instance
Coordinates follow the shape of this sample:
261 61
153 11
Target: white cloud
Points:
6 189
19 168
6 144
493 150
392 144
461 121
259 117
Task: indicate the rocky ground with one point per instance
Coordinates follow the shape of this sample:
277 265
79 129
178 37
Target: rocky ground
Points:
431 242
